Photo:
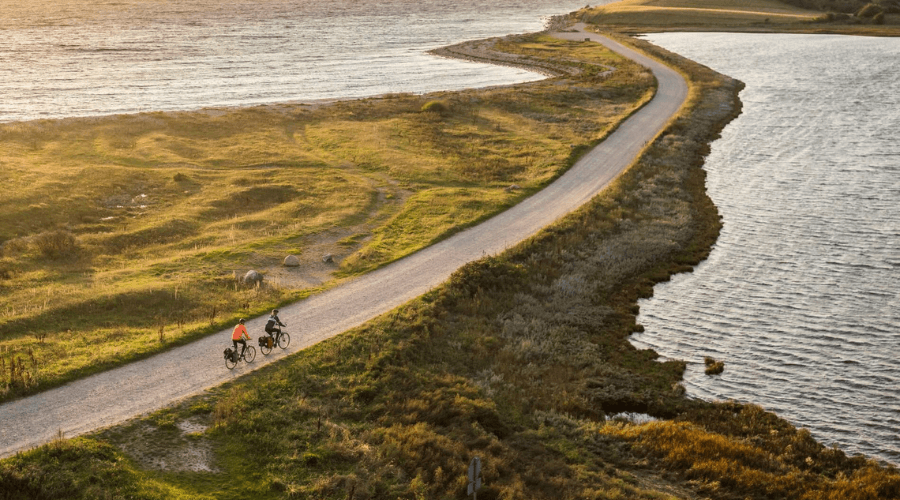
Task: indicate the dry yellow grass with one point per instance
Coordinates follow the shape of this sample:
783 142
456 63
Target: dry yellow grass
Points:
644 16
674 13
123 235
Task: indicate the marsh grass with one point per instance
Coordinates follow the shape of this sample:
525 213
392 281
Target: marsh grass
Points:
740 451
125 235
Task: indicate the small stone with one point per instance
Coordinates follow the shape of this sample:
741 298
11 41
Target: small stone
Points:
291 261
327 258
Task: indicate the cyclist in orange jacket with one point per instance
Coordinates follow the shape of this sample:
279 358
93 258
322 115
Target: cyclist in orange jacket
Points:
240 335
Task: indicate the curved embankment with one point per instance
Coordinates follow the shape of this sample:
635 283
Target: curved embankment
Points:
116 395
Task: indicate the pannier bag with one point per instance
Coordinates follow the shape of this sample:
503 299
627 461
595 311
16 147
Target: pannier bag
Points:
266 342
227 352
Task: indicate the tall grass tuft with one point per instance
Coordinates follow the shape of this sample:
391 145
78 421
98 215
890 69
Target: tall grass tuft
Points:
55 244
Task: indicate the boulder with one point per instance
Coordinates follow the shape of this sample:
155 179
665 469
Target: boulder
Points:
252 278
291 261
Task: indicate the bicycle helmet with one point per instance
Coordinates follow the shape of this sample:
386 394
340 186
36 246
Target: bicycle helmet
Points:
241 321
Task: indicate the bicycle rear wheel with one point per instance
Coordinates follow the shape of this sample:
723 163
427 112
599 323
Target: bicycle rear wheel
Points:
230 363
250 354
265 349
284 340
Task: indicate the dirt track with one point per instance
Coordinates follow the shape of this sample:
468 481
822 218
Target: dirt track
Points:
116 395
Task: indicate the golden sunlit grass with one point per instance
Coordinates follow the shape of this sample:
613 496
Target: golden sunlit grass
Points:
637 16
124 235
750 452
676 13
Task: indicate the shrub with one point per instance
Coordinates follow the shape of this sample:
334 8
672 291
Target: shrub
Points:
870 10
879 18
713 367
439 107
179 177
7 270
55 244
14 246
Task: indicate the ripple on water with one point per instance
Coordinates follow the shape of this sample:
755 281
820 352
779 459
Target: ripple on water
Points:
801 294
120 57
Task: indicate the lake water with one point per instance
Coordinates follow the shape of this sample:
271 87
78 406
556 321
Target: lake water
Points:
801 294
98 57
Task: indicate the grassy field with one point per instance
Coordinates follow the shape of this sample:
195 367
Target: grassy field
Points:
521 360
801 16
125 235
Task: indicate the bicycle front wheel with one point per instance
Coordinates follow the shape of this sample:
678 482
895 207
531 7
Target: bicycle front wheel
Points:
250 355
284 341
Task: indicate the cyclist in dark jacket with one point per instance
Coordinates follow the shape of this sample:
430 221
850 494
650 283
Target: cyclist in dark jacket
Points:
274 324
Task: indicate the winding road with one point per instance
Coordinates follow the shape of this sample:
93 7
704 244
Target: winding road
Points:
116 395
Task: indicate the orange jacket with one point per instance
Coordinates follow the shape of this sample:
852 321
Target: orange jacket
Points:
240 331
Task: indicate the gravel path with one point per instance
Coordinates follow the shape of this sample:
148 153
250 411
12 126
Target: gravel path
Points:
114 396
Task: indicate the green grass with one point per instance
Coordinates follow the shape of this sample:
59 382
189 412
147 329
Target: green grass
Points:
117 228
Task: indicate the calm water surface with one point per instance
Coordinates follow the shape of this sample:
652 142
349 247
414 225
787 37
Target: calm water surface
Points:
97 57
801 295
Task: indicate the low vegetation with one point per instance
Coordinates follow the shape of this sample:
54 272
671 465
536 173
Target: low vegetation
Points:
522 360
713 366
879 18
126 235
855 7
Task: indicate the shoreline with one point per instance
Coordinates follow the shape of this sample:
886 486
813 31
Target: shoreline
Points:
680 336
819 28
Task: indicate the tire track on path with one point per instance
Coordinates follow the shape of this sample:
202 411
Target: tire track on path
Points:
144 386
